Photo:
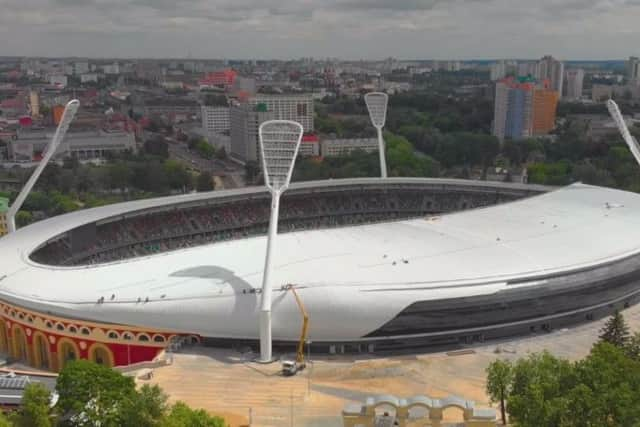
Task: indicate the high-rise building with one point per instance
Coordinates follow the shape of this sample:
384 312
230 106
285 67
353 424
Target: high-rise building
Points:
298 108
549 68
545 104
633 68
575 79
513 108
245 122
215 118
498 70
526 69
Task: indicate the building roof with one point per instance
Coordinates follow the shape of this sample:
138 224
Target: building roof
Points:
454 255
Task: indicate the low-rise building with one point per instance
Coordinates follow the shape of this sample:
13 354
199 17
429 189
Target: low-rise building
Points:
85 145
342 147
309 146
88 77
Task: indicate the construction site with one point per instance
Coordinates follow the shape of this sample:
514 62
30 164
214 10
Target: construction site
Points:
230 383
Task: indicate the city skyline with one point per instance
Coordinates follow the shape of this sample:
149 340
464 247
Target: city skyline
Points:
471 29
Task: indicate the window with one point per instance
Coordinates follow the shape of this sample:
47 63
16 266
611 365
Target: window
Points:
143 337
113 335
158 338
60 326
85 331
127 336
73 329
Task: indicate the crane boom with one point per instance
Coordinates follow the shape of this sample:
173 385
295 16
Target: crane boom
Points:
305 326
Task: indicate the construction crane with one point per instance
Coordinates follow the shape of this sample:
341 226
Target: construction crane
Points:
291 367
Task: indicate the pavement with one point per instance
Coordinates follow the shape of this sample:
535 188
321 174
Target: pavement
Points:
229 383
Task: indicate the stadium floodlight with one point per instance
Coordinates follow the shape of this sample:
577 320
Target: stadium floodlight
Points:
624 131
67 116
377 106
279 144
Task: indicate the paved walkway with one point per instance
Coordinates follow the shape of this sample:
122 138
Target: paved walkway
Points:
224 382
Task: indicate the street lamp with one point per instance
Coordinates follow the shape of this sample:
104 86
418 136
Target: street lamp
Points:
377 106
615 113
279 143
67 116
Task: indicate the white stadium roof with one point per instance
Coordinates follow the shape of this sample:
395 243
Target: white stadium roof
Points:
199 289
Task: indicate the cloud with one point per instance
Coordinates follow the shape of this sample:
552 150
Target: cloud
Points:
343 28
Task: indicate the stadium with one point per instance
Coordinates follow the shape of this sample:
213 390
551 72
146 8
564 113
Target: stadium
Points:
381 265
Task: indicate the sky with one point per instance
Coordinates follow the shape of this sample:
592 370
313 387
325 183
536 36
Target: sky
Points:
348 29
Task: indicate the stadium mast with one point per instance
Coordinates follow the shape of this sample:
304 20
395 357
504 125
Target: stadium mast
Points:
67 116
377 106
624 130
279 144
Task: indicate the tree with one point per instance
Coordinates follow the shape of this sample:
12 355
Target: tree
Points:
23 218
205 150
147 408
205 181
92 394
4 421
615 331
633 347
499 377
608 390
35 411
177 175
157 147
538 391
183 416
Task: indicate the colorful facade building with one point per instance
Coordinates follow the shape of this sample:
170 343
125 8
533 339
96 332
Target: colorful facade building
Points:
224 78
49 342
545 104
524 108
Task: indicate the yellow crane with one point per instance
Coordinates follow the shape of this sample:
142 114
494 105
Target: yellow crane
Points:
290 367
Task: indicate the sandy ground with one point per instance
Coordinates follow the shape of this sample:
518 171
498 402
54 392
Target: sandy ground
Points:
228 383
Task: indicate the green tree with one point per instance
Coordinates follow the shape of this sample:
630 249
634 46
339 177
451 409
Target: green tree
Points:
205 181
183 416
539 389
146 409
615 331
4 421
499 378
92 394
608 390
157 146
633 346
35 410
23 218
205 150
177 175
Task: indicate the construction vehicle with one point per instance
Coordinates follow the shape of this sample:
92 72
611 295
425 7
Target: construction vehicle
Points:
292 367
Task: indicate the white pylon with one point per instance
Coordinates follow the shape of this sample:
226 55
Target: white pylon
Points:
377 106
279 144
67 116
624 130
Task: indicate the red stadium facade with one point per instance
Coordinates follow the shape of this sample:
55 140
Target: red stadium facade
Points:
49 342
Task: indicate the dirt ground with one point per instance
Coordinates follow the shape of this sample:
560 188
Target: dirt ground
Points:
228 383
